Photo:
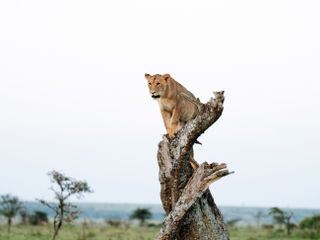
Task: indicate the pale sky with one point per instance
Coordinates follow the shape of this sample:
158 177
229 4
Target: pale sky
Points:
73 95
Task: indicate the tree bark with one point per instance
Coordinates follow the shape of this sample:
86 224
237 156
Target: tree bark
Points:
186 199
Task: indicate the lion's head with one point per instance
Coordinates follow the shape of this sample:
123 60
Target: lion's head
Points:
157 84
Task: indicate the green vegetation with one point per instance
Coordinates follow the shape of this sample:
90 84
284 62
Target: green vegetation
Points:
142 214
312 224
75 232
9 208
124 232
282 217
38 218
249 233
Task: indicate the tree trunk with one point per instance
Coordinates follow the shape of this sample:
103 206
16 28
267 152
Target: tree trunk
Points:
57 223
186 199
9 224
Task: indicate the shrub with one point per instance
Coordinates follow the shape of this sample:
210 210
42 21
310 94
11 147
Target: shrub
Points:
38 218
312 224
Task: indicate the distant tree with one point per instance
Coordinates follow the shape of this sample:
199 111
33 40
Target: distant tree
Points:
258 216
282 217
141 214
24 215
9 207
63 188
312 223
38 218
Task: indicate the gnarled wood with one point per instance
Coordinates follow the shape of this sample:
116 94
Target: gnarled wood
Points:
187 201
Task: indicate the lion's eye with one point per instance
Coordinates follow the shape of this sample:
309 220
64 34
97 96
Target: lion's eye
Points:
149 84
158 83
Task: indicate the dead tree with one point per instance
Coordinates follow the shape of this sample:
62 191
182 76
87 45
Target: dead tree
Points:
189 206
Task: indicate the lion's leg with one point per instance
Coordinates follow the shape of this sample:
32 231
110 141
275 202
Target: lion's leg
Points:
166 116
174 122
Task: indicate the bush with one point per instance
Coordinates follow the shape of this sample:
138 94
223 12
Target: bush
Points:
267 226
311 225
113 223
38 218
311 222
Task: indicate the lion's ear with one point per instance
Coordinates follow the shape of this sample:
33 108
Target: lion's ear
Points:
147 76
166 76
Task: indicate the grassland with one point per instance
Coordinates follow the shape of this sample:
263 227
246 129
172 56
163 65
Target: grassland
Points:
101 232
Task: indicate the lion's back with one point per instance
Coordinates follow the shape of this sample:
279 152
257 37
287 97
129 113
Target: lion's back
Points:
186 101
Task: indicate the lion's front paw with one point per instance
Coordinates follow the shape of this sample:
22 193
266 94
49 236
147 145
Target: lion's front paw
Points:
170 135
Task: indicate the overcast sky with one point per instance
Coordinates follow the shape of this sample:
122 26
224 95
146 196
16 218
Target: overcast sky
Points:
73 95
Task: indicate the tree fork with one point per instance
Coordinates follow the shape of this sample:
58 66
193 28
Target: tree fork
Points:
186 199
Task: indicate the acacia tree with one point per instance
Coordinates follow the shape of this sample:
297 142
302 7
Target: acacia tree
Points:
63 188
9 207
190 209
282 217
142 214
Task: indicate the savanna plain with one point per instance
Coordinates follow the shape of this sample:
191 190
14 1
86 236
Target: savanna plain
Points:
92 231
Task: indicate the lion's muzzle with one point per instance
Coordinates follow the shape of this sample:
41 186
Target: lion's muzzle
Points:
155 96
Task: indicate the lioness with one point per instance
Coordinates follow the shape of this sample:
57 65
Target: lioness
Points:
177 104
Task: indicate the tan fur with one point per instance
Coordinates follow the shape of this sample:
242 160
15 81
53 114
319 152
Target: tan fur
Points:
177 104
